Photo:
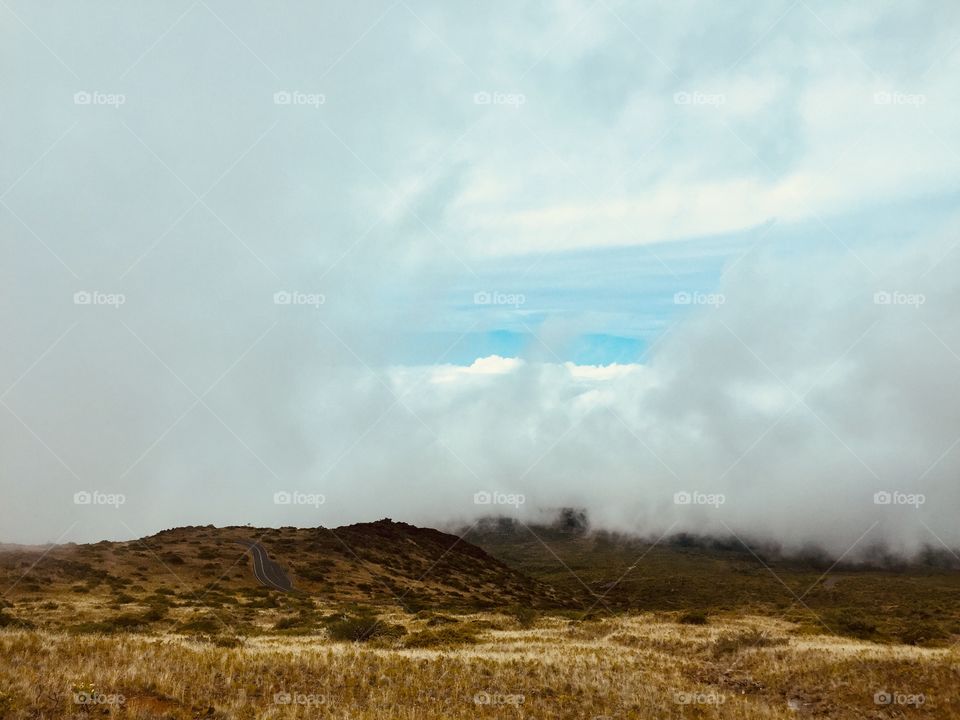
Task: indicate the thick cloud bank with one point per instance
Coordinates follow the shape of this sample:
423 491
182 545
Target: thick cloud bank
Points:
813 403
815 406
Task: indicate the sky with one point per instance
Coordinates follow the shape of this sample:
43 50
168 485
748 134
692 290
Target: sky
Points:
690 266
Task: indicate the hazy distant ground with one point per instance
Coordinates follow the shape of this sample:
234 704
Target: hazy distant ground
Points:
894 601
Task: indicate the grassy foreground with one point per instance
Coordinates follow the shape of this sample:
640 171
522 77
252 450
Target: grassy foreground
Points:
481 665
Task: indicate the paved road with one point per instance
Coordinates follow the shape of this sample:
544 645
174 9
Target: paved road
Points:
266 570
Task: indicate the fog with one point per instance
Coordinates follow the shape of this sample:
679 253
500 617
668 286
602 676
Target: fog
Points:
215 298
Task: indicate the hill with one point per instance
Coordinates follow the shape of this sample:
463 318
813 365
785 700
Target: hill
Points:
377 564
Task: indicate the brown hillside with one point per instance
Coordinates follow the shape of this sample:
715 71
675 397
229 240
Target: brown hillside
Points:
378 563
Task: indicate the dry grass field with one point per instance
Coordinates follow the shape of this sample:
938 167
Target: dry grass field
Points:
479 665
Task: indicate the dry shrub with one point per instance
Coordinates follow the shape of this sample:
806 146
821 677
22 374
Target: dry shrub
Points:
446 636
730 643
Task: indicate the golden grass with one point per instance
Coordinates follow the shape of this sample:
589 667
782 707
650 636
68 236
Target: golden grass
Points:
640 666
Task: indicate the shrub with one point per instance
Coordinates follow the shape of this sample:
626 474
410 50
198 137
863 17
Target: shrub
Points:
126 622
442 637
923 633
855 626
224 641
7 621
526 617
730 643
204 624
303 621
155 613
693 617
436 620
362 629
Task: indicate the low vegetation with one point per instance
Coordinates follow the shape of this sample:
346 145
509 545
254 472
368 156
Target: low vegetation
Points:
481 665
688 632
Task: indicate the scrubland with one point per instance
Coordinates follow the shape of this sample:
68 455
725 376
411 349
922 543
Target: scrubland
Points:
393 664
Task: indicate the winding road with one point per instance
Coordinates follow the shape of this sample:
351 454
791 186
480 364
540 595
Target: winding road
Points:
266 570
